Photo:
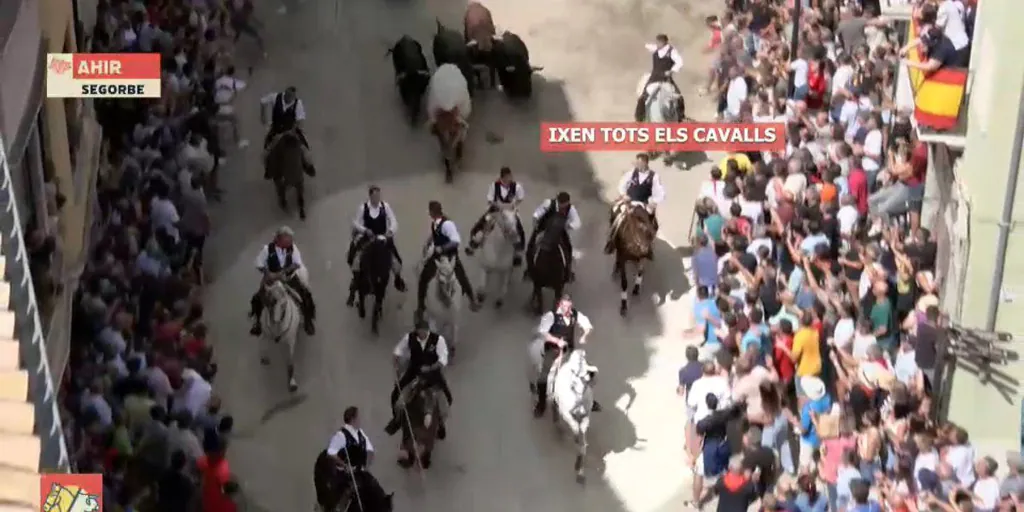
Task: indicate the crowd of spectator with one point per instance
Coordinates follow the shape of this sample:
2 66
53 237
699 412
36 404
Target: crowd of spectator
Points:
137 398
816 301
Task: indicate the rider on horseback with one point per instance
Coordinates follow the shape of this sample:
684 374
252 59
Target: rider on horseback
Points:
665 62
561 205
640 185
287 113
279 260
375 218
425 354
558 327
351 451
504 194
444 241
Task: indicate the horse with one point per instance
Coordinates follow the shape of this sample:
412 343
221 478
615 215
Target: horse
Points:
634 233
663 103
282 318
285 162
550 268
500 236
371 277
422 416
443 302
570 390
335 491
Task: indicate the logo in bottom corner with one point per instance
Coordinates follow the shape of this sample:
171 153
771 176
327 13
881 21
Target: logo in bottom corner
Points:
60 492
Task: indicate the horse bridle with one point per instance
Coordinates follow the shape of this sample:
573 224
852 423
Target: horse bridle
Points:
509 231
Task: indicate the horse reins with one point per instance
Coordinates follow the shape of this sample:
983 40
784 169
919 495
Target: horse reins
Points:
412 434
352 475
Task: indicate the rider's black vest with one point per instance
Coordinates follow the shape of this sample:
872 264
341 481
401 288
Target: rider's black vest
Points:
377 225
422 355
281 118
355 449
564 330
552 211
640 191
661 65
273 263
507 198
438 237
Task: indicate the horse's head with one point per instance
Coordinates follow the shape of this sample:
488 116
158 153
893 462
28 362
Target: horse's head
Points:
429 398
505 222
553 232
662 104
275 293
376 257
446 278
637 232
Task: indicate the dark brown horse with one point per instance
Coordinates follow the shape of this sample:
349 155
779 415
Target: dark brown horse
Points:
421 419
451 132
285 163
634 233
335 491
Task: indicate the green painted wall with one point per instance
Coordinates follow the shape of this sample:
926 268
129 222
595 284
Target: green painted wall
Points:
998 75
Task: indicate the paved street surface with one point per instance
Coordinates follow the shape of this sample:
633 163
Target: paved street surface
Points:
496 457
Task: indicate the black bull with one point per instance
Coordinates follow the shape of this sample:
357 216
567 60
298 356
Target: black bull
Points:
412 74
450 48
512 60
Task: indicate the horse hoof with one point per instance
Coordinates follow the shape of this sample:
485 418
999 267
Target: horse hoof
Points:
293 386
264 361
623 308
362 313
405 463
302 214
498 304
636 291
351 301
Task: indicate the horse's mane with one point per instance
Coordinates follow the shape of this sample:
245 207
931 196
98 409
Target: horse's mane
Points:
553 232
637 231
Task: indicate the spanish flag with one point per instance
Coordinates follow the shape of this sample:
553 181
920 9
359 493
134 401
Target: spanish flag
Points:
938 95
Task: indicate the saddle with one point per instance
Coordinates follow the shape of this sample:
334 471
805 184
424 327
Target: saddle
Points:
622 209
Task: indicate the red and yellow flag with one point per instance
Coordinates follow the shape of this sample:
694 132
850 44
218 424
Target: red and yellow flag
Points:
938 95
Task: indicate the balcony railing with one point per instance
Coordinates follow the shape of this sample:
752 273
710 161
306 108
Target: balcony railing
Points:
29 330
938 95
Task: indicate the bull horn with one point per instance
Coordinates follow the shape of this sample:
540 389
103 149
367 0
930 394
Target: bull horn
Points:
471 43
537 68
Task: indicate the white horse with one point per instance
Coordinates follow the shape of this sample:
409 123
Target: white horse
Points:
662 100
443 302
570 387
500 237
281 319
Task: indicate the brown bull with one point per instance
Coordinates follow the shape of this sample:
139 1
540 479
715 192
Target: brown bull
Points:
478 26
451 131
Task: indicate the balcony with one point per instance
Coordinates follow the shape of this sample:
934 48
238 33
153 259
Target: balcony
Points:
938 99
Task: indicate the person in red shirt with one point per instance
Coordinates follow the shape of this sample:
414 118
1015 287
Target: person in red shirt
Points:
215 473
781 361
857 181
909 166
816 85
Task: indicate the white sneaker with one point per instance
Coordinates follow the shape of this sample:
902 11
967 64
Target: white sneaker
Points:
244 143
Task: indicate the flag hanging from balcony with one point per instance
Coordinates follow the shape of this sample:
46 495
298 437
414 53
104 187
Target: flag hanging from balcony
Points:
938 95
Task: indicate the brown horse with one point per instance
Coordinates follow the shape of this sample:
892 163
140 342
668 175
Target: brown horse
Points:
422 417
286 165
633 234
451 132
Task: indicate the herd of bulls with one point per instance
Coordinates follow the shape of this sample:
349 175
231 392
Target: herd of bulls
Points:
478 52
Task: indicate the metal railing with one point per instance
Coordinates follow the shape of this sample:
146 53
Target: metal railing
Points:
29 330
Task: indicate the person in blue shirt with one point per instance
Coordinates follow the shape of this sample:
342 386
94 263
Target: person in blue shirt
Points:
708 317
755 335
818 403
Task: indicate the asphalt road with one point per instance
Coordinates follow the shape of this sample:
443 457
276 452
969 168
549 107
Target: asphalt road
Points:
497 457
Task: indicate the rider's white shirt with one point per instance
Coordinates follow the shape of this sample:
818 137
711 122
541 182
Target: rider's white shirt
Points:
338 442
282 255
677 58
520 193
548 320
448 229
357 221
573 222
300 109
402 349
657 191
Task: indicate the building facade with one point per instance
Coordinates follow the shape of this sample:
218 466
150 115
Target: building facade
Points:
989 292
49 156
